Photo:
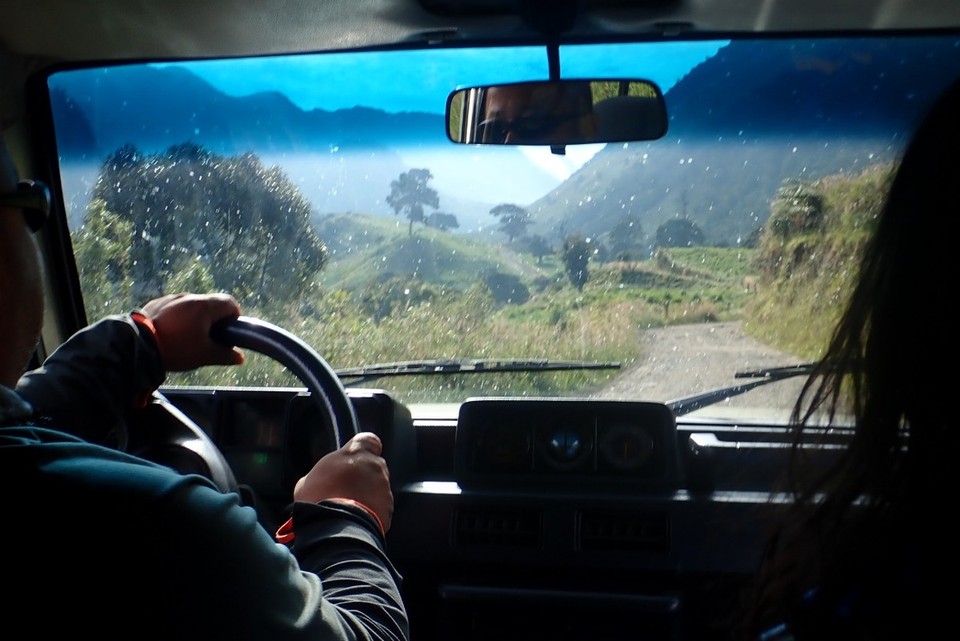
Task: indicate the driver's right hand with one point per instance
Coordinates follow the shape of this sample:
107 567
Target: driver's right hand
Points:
356 472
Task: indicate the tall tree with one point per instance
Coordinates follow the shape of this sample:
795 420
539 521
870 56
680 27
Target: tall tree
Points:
410 192
576 256
102 249
513 219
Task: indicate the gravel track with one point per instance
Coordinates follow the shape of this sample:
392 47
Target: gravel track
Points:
683 360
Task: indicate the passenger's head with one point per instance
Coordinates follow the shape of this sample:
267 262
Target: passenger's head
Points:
538 113
21 284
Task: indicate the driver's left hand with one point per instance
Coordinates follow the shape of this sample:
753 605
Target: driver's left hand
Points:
183 322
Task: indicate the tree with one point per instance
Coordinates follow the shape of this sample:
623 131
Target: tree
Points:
505 288
797 208
410 192
626 239
196 217
576 256
513 220
442 221
539 247
383 296
102 250
679 232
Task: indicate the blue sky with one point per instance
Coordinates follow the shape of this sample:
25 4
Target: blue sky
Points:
400 81
421 80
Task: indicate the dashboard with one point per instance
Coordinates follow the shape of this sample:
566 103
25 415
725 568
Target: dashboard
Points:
572 518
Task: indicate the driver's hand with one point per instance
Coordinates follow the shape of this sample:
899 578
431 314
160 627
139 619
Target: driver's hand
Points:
356 472
183 323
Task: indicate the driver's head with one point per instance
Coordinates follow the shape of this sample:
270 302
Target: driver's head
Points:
543 112
21 282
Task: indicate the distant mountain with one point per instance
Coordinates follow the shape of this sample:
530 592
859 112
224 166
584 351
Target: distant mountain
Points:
844 102
161 106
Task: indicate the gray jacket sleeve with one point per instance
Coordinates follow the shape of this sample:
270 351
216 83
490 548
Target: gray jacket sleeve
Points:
89 383
337 585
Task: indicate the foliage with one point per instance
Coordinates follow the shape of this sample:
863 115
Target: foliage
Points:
102 250
409 193
381 298
610 88
442 221
806 271
576 256
797 208
679 232
514 219
187 216
506 288
539 247
626 239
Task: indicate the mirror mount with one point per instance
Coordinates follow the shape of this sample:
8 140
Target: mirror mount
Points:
553 63
550 17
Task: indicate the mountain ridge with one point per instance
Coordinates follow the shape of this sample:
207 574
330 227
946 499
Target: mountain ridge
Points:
693 172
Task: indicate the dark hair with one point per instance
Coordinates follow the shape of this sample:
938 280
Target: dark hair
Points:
850 556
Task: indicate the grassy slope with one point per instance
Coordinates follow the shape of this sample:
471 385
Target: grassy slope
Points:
805 279
364 248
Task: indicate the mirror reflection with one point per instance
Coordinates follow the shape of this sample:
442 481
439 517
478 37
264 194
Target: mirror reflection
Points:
563 112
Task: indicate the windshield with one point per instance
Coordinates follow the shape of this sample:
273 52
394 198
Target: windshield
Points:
324 193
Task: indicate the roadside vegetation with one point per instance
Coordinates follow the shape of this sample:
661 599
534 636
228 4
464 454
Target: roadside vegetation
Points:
364 289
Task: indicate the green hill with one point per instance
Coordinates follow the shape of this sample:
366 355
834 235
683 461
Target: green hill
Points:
363 248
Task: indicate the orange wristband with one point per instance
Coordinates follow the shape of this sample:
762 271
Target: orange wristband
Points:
145 322
286 535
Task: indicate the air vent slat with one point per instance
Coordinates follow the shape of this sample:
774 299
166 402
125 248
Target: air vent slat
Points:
502 527
646 531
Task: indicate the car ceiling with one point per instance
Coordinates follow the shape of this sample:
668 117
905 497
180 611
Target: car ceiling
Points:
79 30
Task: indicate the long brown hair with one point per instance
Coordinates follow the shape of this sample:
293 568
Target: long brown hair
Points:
886 365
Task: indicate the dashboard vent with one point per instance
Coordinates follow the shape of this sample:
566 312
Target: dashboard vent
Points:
631 531
498 526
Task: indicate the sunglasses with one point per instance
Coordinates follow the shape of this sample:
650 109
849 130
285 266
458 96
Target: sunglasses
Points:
33 198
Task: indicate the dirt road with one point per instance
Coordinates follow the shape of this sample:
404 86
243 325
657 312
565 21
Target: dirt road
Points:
683 360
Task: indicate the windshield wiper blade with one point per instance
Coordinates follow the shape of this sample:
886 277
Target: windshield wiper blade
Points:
466 366
766 376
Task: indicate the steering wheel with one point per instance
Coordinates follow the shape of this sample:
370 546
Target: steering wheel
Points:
185 446
302 360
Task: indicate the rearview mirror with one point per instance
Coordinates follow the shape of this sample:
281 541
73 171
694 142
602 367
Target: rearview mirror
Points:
557 112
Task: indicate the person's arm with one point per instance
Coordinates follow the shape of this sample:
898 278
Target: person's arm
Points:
338 584
90 381
343 546
88 384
